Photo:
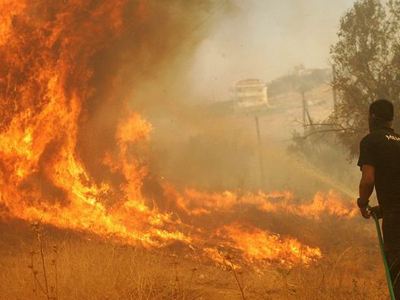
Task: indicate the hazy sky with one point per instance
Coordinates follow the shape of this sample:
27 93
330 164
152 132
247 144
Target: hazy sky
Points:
265 39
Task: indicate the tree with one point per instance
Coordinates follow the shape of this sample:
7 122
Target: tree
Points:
366 58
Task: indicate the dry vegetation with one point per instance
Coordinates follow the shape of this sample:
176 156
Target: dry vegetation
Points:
74 146
82 267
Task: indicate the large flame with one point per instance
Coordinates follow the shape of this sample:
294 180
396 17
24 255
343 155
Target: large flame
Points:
49 53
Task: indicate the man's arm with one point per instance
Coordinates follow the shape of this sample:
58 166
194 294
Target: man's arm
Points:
366 188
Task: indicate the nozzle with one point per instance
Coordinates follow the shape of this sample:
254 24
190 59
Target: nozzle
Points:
375 212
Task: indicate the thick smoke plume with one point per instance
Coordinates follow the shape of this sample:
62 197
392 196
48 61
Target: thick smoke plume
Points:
96 52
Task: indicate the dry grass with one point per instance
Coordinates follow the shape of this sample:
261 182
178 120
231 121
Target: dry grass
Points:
79 268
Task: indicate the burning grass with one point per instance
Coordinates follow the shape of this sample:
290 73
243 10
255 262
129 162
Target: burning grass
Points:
84 267
73 161
65 164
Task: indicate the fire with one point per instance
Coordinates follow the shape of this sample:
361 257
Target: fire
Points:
256 245
48 89
197 203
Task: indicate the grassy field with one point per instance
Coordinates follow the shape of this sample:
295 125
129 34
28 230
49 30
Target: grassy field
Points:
79 266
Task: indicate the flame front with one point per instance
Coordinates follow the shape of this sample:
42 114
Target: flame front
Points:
48 88
257 245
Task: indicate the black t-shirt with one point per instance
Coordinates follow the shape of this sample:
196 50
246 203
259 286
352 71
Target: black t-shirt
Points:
381 149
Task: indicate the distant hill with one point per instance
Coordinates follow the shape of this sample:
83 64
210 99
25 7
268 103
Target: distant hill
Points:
300 79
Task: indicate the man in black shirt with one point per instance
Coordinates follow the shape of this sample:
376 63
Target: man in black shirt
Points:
380 165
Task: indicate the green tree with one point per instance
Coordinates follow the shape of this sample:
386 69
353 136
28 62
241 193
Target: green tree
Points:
367 62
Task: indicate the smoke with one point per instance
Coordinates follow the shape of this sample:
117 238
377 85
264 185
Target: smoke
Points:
101 53
105 60
89 91
266 39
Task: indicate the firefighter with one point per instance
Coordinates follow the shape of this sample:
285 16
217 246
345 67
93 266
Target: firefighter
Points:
379 161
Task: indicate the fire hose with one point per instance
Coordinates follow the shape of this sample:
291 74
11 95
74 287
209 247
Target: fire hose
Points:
375 213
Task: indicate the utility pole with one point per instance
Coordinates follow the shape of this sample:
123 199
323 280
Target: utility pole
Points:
334 89
260 154
304 105
307 121
252 99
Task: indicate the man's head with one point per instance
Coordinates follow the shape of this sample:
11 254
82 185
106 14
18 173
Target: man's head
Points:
380 114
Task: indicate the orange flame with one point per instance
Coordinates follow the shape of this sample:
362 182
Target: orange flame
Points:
257 245
196 202
44 90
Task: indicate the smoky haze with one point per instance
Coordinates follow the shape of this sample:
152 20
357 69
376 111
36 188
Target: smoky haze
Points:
197 142
265 39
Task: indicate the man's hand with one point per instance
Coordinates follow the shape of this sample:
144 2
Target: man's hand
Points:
363 206
367 184
375 212
365 212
